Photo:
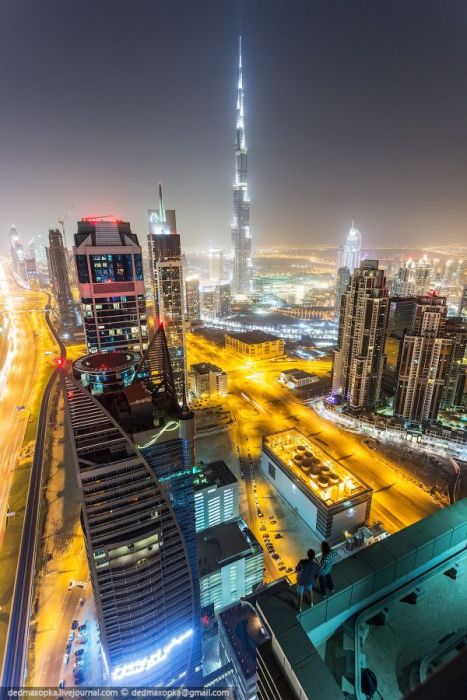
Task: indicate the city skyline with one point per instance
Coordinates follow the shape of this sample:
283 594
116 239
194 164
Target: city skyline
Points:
233 453
374 167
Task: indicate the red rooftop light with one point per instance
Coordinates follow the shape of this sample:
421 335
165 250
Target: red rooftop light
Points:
107 217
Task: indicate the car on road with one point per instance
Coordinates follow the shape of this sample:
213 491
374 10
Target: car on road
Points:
273 522
282 568
79 652
66 659
275 555
68 647
71 636
82 640
81 584
289 570
82 627
278 536
74 624
78 677
81 602
271 517
262 528
71 585
79 663
61 684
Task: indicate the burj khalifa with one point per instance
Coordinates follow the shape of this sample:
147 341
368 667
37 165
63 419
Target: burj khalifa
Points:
240 231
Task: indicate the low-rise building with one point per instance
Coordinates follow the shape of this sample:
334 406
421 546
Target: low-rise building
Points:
216 494
256 345
208 380
297 378
326 495
230 562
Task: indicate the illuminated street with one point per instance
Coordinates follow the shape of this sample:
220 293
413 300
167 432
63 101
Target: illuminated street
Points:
23 376
262 406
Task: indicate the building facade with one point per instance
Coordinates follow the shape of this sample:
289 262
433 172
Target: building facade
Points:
342 282
359 357
454 396
241 631
256 345
230 564
192 299
423 362
240 230
208 380
109 268
59 279
18 257
140 569
349 255
216 265
326 495
216 495
107 372
168 287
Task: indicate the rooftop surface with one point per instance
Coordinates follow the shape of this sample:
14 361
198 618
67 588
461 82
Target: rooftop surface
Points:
394 651
415 556
253 337
299 374
101 361
213 474
223 544
244 629
322 475
205 368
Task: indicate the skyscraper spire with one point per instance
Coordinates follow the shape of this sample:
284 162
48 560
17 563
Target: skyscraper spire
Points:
161 204
241 241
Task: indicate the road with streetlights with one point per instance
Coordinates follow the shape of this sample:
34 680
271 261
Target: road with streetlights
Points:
262 405
23 377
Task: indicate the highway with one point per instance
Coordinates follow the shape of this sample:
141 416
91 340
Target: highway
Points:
14 660
262 405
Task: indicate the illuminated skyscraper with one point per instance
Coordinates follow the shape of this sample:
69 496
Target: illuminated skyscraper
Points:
37 250
192 298
167 279
110 280
240 231
463 304
424 361
58 272
17 255
342 281
350 254
359 357
216 265
141 572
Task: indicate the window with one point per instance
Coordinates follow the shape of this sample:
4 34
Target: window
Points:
272 470
82 268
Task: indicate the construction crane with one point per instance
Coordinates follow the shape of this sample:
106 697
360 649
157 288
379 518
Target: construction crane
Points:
62 220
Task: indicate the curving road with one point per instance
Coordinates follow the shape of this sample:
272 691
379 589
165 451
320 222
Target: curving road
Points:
26 358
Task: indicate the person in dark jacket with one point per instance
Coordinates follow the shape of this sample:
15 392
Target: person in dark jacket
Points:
307 573
328 557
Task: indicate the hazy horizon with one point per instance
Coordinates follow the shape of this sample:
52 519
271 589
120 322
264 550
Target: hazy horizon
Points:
353 111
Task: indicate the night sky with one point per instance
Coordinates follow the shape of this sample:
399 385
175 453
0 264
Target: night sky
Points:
355 110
